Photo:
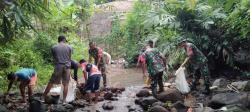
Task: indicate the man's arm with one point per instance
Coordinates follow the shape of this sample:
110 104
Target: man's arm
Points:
144 69
142 61
100 54
9 87
75 73
190 53
185 62
85 76
163 58
90 59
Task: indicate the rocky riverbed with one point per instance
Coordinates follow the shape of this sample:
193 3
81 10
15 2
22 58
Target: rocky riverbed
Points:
127 94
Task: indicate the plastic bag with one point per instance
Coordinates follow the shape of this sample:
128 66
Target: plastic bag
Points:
181 82
71 91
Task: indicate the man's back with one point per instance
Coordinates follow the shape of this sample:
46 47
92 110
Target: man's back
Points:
154 61
62 54
25 73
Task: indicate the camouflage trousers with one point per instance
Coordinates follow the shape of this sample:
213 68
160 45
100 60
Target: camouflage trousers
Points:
102 68
201 71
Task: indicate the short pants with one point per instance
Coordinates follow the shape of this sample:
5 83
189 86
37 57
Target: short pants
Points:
61 74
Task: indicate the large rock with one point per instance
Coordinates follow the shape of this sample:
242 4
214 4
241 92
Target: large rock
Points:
147 102
143 93
158 108
204 109
158 104
58 108
138 101
22 109
37 106
79 103
222 99
170 95
62 108
221 83
117 89
242 85
52 99
234 108
86 109
179 106
3 108
108 106
108 96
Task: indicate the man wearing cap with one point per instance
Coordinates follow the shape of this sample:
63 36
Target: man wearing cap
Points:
198 62
97 54
62 62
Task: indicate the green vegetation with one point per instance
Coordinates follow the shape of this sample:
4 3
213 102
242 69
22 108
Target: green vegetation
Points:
220 28
30 28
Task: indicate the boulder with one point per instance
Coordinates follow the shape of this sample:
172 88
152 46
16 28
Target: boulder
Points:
221 83
158 108
79 103
37 106
242 85
3 108
108 96
143 93
222 99
117 90
108 106
158 104
58 108
21 109
82 110
138 101
69 106
170 95
131 108
234 108
179 106
86 109
204 109
100 99
147 102
52 99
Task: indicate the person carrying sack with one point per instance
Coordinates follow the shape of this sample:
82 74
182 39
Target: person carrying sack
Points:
199 63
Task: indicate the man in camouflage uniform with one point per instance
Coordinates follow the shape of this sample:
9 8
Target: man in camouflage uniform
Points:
97 54
155 66
198 62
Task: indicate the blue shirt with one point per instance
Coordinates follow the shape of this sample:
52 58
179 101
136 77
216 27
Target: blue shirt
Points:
25 73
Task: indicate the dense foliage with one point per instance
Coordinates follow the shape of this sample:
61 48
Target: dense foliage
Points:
29 28
219 28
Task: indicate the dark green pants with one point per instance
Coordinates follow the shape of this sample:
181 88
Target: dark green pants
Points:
157 79
201 71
